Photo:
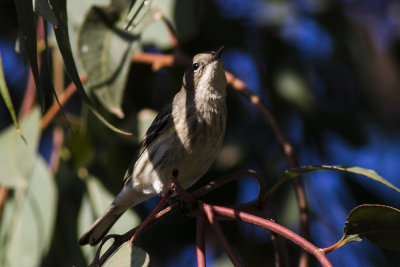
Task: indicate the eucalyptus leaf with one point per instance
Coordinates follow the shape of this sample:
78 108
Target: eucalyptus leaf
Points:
104 50
380 224
289 174
128 256
17 158
157 33
29 231
7 100
93 205
62 37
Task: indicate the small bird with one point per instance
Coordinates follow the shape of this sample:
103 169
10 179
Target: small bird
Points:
185 136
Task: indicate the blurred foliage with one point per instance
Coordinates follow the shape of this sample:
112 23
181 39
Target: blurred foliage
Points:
328 69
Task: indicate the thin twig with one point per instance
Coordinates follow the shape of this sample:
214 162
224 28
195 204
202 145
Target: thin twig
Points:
200 239
152 214
55 107
240 86
3 197
209 211
30 93
283 231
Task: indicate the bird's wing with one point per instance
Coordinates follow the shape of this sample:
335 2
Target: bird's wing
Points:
158 126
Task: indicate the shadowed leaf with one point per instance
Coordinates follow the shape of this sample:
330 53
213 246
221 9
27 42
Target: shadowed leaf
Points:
61 33
7 100
380 224
104 50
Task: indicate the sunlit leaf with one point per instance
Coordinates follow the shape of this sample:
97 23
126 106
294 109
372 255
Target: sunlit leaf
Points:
129 256
105 49
7 99
17 158
157 33
380 224
370 174
93 205
61 33
29 227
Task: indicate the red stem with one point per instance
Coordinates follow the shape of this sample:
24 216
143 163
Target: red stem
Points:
267 224
30 93
152 214
208 210
200 239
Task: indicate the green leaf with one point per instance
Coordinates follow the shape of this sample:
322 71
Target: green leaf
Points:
7 100
128 256
61 33
104 50
17 159
30 227
28 40
157 33
380 224
93 205
289 174
81 148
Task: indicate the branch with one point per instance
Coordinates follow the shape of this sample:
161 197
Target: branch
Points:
208 210
267 224
239 86
55 108
200 239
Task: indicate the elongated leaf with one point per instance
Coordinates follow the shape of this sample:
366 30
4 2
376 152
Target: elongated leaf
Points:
61 33
129 256
104 50
29 230
17 159
380 224
289 174
28 40
7 99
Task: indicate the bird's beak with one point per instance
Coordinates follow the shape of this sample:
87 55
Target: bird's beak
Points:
218 53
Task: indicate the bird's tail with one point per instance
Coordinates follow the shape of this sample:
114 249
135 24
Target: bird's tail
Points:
101 226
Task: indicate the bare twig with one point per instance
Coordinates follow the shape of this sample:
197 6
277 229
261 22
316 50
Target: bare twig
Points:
55 108
3 197
200 239
30 93
239 86
152 214
208 210
267 224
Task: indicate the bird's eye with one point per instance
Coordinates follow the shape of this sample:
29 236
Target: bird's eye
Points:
195 66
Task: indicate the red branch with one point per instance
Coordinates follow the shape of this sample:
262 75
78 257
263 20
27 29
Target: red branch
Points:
55 108
267 224
208 210
200 239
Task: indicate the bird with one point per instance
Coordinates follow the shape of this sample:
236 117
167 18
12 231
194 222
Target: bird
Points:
185 136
